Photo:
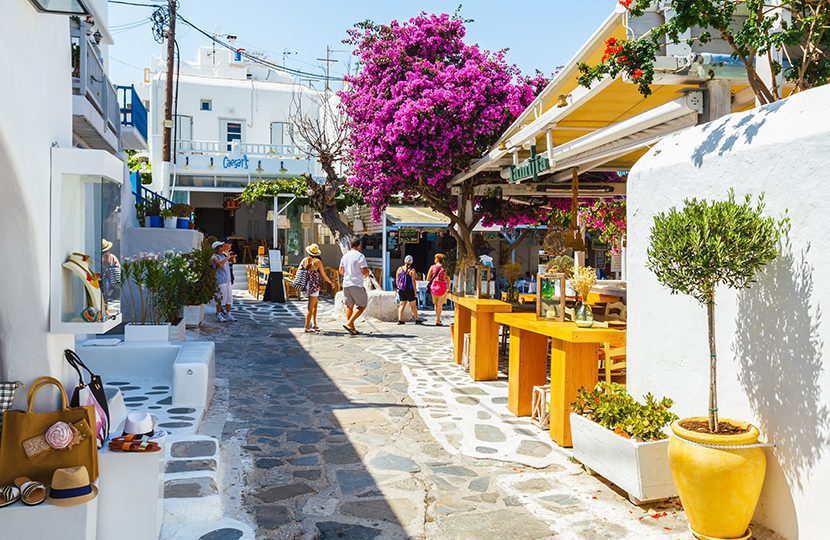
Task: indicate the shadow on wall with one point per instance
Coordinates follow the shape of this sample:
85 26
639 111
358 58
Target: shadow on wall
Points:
21 291
779 349
717 139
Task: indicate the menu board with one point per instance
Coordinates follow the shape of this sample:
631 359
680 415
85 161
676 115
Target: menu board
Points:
392 240
409 235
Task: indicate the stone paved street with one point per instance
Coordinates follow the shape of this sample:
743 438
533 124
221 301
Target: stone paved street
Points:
382 436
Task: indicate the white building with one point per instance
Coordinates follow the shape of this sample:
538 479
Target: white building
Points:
61 176
232 127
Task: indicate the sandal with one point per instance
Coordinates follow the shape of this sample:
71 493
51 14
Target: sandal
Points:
31 493
9 495
349 330
134 443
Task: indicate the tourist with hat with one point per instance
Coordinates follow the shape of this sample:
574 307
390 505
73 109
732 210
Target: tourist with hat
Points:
316 273
110 272
222 264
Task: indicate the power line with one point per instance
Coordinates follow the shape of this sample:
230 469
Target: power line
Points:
251 57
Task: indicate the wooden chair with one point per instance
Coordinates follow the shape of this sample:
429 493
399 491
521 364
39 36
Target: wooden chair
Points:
615 311
613 359
247 254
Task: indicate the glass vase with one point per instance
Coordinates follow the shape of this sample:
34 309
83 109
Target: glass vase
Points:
583 315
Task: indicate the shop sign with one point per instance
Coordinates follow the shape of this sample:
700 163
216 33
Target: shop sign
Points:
532 168
235 163
409 235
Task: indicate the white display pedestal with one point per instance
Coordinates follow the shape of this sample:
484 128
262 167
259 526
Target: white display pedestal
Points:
130 495
48 521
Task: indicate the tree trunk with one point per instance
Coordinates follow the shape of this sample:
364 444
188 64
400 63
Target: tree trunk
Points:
323 198
342 234
713 367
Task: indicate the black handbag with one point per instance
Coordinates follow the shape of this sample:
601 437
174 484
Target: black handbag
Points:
90 393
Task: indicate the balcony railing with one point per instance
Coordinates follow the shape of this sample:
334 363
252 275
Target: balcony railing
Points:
89 78
254 150
133 111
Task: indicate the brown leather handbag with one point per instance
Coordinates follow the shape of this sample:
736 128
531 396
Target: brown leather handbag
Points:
35 444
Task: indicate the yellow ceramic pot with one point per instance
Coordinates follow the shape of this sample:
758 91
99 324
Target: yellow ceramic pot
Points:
719 488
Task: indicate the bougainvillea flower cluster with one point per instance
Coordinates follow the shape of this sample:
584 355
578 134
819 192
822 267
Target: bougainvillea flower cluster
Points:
423 106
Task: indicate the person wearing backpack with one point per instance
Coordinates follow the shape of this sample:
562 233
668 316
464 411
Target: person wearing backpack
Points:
405 280
439 285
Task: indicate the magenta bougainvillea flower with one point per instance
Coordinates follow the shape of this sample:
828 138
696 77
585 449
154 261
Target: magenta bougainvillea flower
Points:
423 105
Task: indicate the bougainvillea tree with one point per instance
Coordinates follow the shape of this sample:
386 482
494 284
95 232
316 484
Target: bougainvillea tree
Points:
424 105
753 29
606 218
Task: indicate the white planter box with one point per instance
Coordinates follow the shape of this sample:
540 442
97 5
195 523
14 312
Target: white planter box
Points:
147 332
170 222
177 332
155 332
194 315
639 468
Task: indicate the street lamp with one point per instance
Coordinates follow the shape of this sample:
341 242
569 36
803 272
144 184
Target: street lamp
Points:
65 7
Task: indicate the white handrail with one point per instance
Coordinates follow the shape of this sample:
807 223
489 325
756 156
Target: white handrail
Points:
289 151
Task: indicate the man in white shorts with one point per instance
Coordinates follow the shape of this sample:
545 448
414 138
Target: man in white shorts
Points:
221 262
354 269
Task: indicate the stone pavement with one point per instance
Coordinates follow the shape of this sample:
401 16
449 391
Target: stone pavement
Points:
383 436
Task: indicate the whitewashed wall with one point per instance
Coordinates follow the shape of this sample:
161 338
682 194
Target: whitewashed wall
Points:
772 339
35 113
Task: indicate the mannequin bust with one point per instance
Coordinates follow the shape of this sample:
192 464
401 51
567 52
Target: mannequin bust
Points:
79 264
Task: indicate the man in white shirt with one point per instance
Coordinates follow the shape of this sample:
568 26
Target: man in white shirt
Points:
354 269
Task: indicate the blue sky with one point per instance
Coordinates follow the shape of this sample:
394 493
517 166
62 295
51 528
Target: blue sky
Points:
538 34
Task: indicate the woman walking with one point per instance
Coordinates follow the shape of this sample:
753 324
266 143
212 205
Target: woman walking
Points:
221 263
439 284
405 279
316 272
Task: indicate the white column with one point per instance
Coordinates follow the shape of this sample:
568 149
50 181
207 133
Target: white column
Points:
384 252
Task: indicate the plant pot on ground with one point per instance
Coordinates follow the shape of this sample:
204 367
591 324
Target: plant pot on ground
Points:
692 251
624 441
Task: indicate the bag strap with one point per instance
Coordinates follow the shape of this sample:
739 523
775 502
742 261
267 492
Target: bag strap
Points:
70 358
76 362
40 383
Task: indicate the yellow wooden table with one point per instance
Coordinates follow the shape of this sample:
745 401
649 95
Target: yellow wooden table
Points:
475 316
573 365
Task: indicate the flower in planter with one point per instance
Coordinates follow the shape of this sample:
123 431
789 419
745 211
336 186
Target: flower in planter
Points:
611 406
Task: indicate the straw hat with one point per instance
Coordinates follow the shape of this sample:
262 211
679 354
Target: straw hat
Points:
71 486
313 250
106 245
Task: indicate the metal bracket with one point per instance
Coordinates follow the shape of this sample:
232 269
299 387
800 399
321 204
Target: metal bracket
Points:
694 100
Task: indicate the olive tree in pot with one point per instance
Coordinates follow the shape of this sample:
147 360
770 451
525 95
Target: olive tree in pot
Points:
692 251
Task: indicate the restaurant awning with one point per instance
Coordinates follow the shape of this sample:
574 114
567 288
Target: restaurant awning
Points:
414 216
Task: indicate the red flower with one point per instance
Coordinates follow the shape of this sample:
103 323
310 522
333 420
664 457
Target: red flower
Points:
611 41
638 73
626 3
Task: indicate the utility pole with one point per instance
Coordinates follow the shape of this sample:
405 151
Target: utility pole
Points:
168 97
328 60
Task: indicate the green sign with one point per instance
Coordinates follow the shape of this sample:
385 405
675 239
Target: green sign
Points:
532 168
409 235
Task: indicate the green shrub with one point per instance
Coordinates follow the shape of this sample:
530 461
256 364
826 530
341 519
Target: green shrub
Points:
609 405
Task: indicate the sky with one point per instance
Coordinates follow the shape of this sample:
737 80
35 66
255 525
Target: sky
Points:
541 34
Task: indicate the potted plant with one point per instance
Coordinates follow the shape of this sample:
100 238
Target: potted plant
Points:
155 286
201 284
692 251
623 440
169 217
182 212
151 210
